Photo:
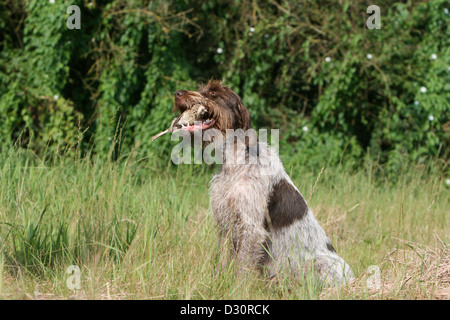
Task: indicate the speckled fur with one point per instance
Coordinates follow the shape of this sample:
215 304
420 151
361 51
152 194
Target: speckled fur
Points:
239 202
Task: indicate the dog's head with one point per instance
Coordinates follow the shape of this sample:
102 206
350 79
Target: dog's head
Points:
212 106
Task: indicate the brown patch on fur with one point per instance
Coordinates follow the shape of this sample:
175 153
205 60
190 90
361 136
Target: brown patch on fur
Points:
286 205
330 247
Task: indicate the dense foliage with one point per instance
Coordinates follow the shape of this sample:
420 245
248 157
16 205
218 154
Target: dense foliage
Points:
333 87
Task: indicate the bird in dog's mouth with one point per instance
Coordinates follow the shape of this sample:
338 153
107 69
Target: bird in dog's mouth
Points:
195 118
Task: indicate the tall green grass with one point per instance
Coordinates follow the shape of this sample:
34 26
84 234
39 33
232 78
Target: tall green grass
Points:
139 230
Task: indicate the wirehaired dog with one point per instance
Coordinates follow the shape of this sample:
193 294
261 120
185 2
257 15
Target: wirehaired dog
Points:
263 220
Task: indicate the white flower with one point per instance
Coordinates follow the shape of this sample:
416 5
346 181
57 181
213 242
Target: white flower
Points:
434 56
431 117
55 97
416 103
423 89
51 1
445 10
447 182
305 129
252 29
327 59
369 56
219 50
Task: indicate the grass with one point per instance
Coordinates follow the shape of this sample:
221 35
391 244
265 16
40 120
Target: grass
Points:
139 231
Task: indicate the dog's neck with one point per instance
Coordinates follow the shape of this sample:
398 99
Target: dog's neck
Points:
234 149
240 154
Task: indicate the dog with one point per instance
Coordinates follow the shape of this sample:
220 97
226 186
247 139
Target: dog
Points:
263 220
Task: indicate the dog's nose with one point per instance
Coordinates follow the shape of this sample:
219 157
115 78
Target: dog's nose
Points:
179 94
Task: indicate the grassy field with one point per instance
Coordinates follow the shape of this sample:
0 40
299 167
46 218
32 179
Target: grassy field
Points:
139 231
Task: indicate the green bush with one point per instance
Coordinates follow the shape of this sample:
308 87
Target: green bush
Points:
335 89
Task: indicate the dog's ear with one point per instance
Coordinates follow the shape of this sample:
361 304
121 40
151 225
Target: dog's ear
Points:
245 116
251 138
